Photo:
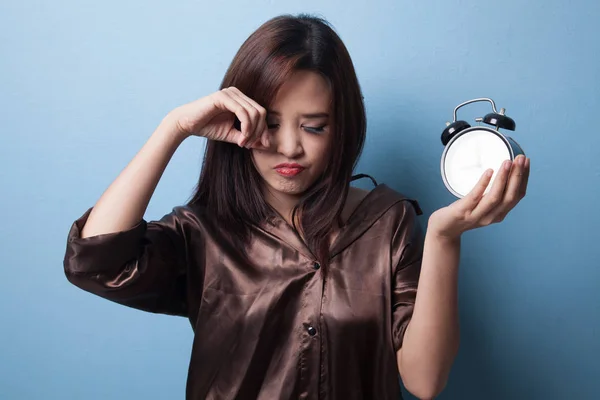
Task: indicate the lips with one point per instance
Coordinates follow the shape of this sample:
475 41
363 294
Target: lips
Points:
289 169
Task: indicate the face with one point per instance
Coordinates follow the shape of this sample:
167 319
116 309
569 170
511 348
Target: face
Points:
300 126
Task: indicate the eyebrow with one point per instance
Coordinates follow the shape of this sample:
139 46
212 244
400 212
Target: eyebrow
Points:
310 116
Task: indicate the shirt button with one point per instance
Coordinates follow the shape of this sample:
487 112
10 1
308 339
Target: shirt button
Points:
316 265
311 331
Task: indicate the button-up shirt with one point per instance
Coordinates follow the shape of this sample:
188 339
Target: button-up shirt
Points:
270 322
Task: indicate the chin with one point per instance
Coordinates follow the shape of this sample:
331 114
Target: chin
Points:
290 187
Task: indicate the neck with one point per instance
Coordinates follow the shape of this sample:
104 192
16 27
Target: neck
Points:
282 203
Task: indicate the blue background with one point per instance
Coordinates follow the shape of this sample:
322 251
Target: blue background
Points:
83 85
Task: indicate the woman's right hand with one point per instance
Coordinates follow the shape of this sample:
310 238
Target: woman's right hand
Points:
214 117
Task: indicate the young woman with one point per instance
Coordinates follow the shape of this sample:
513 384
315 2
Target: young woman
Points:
296 284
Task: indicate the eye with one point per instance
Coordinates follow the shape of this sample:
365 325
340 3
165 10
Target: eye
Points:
315 129
272 126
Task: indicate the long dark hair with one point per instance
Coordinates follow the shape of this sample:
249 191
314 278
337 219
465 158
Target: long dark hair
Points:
230 186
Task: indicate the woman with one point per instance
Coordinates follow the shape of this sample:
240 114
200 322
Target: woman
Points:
296 285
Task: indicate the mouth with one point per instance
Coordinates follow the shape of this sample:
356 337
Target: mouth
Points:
289 169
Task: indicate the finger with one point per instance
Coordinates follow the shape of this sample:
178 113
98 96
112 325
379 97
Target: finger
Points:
261 143
226 102
262 131
474 196
496 194
265 140
250 132
512 195
525 181
258 116
250 100
251 112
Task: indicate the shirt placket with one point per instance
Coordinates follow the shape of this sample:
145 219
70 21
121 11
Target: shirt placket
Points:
312 336
310 361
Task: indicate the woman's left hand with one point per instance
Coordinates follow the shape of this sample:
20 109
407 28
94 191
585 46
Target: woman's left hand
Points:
476 210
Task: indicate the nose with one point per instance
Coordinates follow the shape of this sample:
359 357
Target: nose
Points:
288 142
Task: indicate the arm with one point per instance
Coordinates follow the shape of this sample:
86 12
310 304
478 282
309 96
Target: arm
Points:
424 305
123 204
432 337
112 252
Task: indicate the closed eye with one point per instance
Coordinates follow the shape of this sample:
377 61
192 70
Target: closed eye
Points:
311 129
317 129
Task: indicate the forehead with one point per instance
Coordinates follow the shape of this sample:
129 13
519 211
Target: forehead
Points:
303 92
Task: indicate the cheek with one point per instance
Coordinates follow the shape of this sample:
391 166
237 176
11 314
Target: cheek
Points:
259 159
320 152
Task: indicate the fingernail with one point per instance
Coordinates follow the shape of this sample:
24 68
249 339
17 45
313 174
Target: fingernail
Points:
507 164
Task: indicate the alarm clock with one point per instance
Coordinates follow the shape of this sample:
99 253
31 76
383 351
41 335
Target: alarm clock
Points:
470 150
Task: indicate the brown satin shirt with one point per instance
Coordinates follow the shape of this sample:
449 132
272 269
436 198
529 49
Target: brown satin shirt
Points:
279 327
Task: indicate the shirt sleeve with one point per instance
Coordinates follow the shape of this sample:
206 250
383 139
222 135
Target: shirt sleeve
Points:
407 256
143 267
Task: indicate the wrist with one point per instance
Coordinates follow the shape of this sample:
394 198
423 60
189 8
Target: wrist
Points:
169 126
445 236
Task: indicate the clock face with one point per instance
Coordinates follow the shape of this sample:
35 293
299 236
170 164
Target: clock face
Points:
469 155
